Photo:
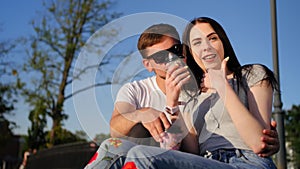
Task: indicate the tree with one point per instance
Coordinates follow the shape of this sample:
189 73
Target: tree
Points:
81 135
36 133
64 136
63 30
7 90
6 106
293 134
99 138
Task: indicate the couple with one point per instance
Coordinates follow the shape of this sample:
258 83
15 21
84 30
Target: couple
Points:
231 130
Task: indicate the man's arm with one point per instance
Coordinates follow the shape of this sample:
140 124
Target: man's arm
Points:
122 123
125 117
270 145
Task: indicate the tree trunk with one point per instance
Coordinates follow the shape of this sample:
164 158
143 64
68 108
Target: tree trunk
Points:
58 116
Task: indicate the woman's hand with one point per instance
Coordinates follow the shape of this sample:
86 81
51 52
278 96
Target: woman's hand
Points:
215 78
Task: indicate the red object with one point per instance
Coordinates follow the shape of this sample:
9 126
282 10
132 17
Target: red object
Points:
93 158
129 165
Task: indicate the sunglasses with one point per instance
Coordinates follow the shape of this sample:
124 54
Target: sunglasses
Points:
163 55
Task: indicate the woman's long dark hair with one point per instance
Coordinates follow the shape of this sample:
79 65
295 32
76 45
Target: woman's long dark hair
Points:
233 64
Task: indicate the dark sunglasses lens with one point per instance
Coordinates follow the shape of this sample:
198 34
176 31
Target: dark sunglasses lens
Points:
176 49
160 57
163 56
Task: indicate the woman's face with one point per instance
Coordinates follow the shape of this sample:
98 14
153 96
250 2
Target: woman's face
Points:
206 46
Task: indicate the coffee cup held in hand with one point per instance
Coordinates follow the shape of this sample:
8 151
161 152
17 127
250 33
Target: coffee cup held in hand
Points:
171 141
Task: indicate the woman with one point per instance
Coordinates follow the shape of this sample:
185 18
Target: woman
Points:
238 106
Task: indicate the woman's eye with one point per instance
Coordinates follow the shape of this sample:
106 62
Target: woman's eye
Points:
214 38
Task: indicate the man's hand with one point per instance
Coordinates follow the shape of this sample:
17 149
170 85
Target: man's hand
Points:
155 122
176 77
270 140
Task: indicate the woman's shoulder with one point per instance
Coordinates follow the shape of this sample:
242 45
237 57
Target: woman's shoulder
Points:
254 73
253 68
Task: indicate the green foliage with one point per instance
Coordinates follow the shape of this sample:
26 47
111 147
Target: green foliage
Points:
99 138
81 135
36 133
7 91
292 128
62 30
64 136
6 108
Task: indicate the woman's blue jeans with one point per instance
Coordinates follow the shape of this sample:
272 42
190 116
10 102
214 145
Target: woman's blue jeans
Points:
146 157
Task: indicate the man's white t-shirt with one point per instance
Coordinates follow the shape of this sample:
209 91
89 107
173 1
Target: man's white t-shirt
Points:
143 93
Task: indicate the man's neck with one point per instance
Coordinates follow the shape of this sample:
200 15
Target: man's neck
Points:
161 83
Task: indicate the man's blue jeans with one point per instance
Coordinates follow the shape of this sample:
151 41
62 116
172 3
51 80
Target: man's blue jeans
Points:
111 154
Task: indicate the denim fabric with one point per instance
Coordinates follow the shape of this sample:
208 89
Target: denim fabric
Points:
223 155
152 157
251 160
111 154
240 158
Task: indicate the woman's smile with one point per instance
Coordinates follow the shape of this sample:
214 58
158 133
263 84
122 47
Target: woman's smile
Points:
209 57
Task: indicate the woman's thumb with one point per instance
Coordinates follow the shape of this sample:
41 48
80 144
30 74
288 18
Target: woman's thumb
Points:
224 63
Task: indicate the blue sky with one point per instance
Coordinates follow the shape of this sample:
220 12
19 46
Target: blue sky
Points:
247 23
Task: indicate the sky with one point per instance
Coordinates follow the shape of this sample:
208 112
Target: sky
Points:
247 24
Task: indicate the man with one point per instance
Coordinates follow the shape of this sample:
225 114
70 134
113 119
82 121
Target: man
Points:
139 106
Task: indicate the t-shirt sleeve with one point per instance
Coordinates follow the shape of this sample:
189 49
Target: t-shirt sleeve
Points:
126 94
255 75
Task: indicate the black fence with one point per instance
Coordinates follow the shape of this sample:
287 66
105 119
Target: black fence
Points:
68 156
